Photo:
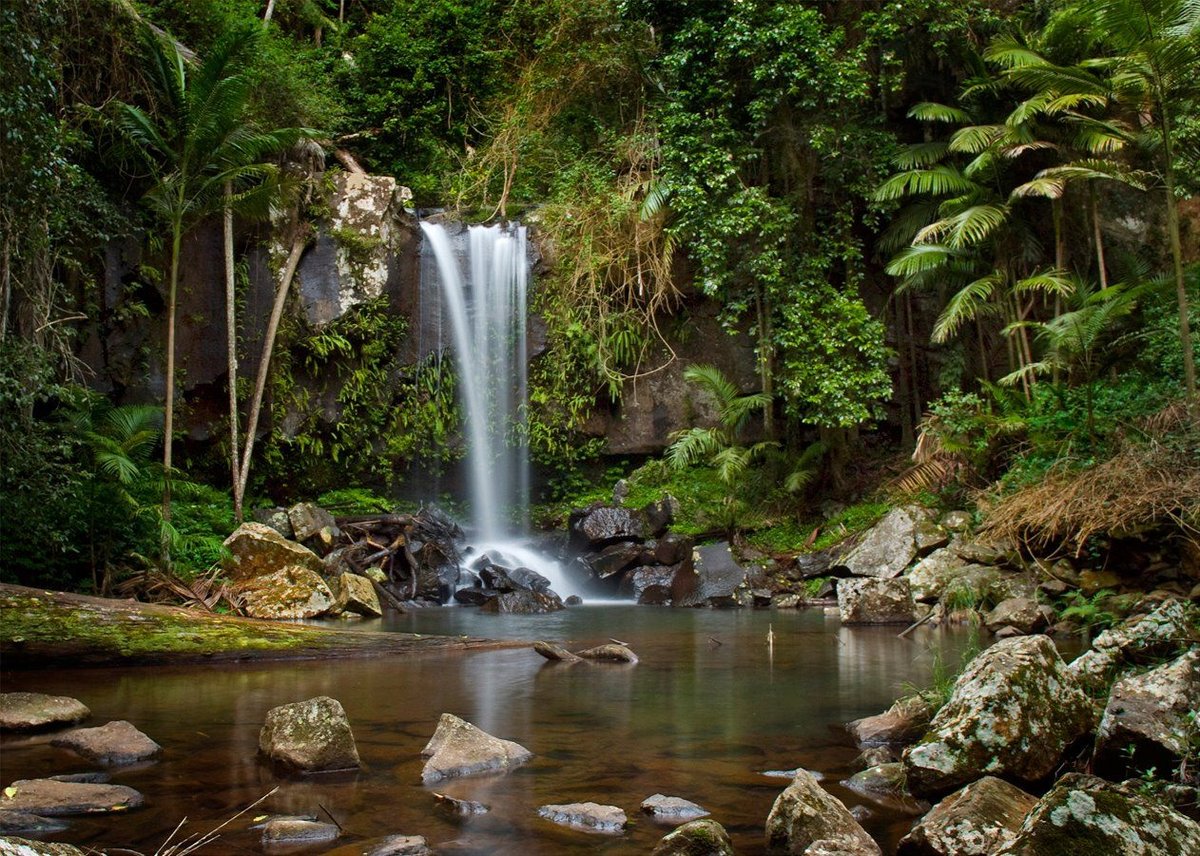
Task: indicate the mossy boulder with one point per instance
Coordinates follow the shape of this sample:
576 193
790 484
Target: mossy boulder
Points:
1137 640
289 593
806 816
943 570
257 550
975 821
357 594
310 736
888 547
696 838
875 601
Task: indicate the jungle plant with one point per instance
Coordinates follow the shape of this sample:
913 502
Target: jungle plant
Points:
720 446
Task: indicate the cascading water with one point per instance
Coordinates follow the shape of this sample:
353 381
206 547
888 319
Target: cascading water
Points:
483 273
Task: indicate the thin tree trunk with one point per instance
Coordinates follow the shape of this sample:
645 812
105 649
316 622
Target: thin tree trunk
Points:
260 382
1185 326
907 437
270 11
231 352
764 363
915 386
169 396
1101 267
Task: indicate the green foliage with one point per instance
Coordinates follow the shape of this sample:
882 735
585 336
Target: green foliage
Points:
1087 611
355 500
850 521
944 676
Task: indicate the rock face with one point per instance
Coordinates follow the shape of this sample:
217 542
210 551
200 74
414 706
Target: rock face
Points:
900 724
978 820
804 816
587 815
875 601
1135 640
1083 815
888 547
115 743
35 711
356 594
697 838
1013 711
256 550
671 809
458 749
1151 712
310 736
290 592
51 798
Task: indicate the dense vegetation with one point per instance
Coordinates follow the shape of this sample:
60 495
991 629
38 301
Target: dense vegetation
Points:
965 224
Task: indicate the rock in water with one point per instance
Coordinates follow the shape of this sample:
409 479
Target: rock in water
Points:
900 724
805 816
291 831
33 711
50 798
357 594
697 838
611 651
1013 711
458 748
1086 816
715 578
672 809
392 845
589 816
978 820
558 653
459 808
23 821
115 743
310 736
10 846
888 547
523 602
869 601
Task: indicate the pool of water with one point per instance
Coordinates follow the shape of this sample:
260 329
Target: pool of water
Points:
710 707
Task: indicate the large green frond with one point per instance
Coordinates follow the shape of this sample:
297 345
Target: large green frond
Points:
928 111
967 304
940 180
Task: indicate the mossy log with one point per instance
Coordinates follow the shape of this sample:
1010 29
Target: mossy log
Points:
41 628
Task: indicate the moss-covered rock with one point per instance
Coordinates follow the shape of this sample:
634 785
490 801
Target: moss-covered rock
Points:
310 736
36 711
975 821
805 815
1137 640
256 550
697 838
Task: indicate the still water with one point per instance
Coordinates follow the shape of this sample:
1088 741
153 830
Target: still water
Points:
709 708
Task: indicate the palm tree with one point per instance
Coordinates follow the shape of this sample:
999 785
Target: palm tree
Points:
198 141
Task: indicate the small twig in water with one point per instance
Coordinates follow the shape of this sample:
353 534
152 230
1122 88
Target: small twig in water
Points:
329 814
209 837
715 640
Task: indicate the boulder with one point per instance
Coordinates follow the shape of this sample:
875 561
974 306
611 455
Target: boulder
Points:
295 831
900 724
523 602
943 569
1137 640
36 711
554 652
31 824
115 743
611 651
714 575
955 521
929 536
308 519
290 592
985 552
475 596
1012 713
671 549
589 816
51 798
459 808
276 518
697 838
1150 719
888 546
529 580
1021 613
12 846
787 601
660 514
1084 815
614 558
805 816
257 550
672 809
357 594
884 784
978 820
875 601
637 582
458 749
310 736
599 525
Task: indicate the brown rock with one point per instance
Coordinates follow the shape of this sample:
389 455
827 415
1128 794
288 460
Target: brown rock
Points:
51 798
33 711
115 743
458 749
978 820
310 736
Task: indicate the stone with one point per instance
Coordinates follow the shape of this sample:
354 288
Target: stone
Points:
555 652
376 575
529 580
292 831
902 723
599 525
1006 586
983 552
475 596
1084 815
357 594
1091 581
32 824
1150 718
805 816
36 711
929 536
397 845
50 798
715 574
276 518
672 809
882 779
258 550
459 808
944 569
787 601
614 558
1017 612
620 491
459 749
311 736
955 521
523 602
610 651
977 820
888 546
696 838
1137 640
660 514
671 549
573 600
115 743
638 581
875 601
1013 711
12 846
291 592
1007 632
589 816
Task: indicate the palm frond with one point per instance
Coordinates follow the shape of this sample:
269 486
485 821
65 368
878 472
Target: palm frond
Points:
967 304
694 446
928 111
941 180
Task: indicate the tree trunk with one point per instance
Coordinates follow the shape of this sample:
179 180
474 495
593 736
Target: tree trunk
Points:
1185 326
231 352
765 363
1101 267
169 395
270 11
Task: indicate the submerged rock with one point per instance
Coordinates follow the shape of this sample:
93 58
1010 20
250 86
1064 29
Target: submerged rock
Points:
888 546
290 831
875 601
115 743
554 652
458 749
611 651
459 808
884 784
696 838
31 824
310 736
36 711
978 820
50 798
806 819
675 809
589 816
393 845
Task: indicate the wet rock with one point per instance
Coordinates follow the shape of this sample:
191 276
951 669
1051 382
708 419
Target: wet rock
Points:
671 549
289 593
600 525
929 536
257 550
884 783
1134 641
1151 717
289 831
399 845
655 596
310 736
614 558
12 846
1086 815
638 581
49 798
529 580
551 651
523 602
115 743
475 596
611 652
357 594
1013 711
805 819
978 820
31 824
459 749
1092 581
955 521
589 816
808 566
36 711
1021 613
90 778
902 723
660 514
888 546
696 838
674 809
787 601
875 601
573 600
459 808
276 518
715 574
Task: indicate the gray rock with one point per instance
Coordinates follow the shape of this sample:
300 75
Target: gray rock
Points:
902 723
1013 711
984 552
398 845
558 653
289 831
49 798
715 575
116 743
600 525
32 824
523 602
357 594
944 569
671 549
34 711
310 736
611 652
697 838
589 816
638 581
276 518
1139 639
459 808
955 521
1083 815
308 519
672 809
458 749
875 601
257 550
888 547
614 558
978 820
805 816
929 536
660 514
787 601
12 846
1017 612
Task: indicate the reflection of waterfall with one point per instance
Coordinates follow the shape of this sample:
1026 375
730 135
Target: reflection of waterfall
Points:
484 277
